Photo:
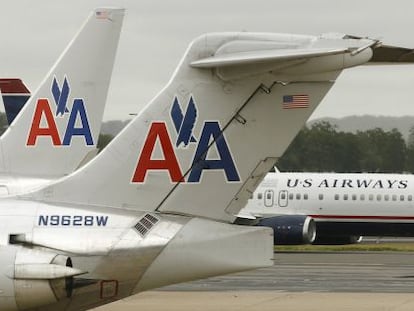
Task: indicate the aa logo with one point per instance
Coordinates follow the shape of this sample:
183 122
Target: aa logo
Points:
211 137
44 121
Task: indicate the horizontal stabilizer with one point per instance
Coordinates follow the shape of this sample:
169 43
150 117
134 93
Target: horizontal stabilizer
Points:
392 54
253 57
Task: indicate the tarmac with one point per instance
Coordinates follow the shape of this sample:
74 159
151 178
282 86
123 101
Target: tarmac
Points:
262 301
297 281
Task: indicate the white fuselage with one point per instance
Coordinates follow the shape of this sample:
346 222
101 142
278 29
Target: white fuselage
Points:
62 257
338 199
11 185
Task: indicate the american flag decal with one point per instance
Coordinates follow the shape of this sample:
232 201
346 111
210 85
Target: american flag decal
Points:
295 101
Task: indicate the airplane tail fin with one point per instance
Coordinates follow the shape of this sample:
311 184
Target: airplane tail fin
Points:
203 144
15 95
60 124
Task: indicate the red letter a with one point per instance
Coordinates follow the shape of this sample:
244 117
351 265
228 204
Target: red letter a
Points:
158 131
43 108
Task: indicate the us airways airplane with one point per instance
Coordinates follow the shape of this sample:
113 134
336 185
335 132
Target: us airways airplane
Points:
328 208
157 206
58 128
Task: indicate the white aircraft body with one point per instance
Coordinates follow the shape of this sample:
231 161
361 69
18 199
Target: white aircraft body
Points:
157 206
330 208
58 128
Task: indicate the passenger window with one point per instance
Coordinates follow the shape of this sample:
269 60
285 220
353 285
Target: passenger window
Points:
386 197
283 195
362 197
371 197
260 196
401 197
345 197
394 197
320 196
290 196
336 196
297 196
354 197
410 197
269 196
305 196
378 197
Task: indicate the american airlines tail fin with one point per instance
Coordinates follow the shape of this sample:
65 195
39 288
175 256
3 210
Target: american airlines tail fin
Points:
15 95
60 124
203 144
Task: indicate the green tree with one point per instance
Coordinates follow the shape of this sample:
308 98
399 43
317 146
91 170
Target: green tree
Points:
321 148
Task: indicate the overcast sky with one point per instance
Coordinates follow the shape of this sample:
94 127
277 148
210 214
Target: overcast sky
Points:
156 33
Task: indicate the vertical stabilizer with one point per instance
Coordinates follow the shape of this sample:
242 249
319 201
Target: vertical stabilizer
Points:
15 95
60 124
204 143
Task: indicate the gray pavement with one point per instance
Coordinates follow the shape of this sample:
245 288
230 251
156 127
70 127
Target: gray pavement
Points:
369 272
298 281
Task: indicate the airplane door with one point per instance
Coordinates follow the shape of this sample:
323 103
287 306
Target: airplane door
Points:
283 198
268 198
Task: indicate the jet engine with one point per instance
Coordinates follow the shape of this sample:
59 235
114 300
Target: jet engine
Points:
31 278
291 229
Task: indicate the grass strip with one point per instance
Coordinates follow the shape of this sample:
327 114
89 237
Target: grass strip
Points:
363 247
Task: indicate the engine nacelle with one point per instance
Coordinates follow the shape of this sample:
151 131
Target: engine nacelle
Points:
291 229
337 239
31 278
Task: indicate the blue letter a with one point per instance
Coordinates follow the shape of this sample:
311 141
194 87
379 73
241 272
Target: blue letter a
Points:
78 108
200 163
